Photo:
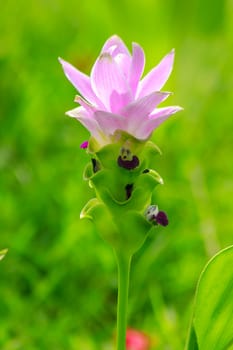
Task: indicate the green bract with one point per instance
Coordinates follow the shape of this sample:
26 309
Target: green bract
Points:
123 183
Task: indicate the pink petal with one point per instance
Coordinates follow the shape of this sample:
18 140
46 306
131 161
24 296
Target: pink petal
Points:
145 105
165 111
87 106
155 119
124 62
109 122
80 81
137 112
115 45
109 84
157 77
77 112
84 118
137 67
118 50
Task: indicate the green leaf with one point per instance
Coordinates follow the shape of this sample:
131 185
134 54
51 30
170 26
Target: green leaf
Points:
3 253
192 341
212 322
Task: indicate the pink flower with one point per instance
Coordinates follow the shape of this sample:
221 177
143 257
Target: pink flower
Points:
114 97
136 340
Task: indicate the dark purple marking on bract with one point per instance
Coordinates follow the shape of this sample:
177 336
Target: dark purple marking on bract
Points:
129 190
84 145
128 164
95 165
161 218
145 171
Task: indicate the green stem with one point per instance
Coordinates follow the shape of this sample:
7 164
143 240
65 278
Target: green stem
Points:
122 302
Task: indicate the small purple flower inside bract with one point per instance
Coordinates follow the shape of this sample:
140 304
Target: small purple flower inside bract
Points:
161 218
84 145
114 97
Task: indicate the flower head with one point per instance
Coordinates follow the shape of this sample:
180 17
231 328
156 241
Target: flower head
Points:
115 97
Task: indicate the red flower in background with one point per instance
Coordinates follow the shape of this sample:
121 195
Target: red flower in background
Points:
136 340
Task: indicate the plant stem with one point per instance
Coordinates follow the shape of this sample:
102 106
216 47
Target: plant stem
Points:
123 263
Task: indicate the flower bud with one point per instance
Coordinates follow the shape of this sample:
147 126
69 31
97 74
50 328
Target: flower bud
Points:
156 216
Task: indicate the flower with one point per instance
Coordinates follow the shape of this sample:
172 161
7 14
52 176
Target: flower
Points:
136 340
114 97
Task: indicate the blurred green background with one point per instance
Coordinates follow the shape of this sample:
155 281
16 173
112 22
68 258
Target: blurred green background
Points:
58 283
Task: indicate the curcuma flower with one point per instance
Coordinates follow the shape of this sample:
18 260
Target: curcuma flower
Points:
115 97
120 110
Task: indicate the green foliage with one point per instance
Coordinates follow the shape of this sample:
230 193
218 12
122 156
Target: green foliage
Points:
212 326
58 281
2 253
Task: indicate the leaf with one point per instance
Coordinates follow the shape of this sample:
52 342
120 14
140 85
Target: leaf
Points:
192 341
212 322
3 253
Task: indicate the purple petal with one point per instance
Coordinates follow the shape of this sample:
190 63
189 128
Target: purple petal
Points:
137 67
80 81
109 84
155 119
137 112
115 45
157 77
109 122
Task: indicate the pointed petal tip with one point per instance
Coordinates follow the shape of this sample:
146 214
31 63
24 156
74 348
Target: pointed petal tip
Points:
175 109
136 45
172 54
61 60
113 40
71 113
178 108
77 98
68 114
115 37
165 93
